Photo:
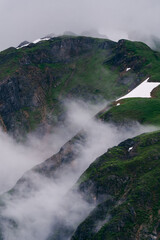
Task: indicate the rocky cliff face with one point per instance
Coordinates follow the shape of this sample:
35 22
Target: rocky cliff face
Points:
35 79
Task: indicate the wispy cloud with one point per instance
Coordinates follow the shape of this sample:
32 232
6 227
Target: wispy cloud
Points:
48 203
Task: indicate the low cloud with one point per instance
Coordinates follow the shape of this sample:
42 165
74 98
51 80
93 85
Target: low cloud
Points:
38 210
17 158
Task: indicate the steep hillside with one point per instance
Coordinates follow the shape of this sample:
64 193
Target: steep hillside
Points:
121 186
35 79
137 56
125 184
143 110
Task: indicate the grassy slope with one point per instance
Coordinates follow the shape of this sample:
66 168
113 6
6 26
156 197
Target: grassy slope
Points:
143 110
146 63
86 70
146 111
85 75
138 55
151 59
133 180
82 76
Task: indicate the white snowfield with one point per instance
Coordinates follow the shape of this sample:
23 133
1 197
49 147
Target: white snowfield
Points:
143 90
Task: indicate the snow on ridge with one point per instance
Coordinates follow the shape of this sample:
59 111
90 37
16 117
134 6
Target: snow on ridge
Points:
25 45
41 39
35 41
143 90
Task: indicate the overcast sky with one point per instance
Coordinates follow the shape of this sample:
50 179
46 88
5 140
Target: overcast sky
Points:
31 19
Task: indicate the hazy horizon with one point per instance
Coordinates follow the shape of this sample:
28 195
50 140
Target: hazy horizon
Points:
21 20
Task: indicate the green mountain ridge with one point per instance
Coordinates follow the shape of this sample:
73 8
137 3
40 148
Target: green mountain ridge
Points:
123 183
34 80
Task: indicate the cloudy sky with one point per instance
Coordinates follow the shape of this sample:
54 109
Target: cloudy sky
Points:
28 20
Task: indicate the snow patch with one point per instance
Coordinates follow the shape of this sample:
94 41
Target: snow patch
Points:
130 149
118 104
25 45
41 39
36 41
143 90
127 69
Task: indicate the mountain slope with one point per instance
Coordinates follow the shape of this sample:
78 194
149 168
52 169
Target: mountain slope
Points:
125 184
98 185
122 186
138 107
34 80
